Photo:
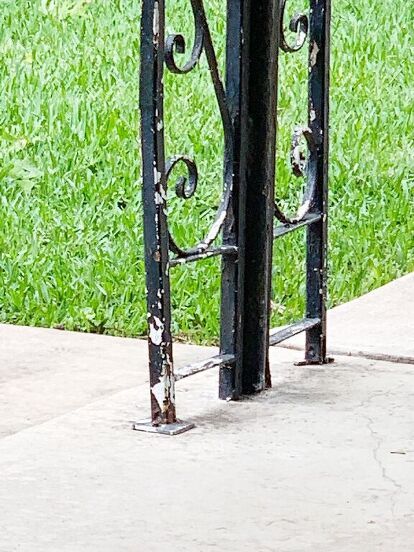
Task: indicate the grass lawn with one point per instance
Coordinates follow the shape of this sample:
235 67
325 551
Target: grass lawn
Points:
71 239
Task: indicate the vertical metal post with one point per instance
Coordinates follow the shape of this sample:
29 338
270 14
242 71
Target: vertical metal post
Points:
163 414
231 341
262 34
317 236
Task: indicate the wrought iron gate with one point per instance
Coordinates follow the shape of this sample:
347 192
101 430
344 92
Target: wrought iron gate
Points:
248 219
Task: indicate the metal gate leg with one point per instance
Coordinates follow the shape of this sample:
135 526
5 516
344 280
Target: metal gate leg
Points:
162 383
231 335
317 236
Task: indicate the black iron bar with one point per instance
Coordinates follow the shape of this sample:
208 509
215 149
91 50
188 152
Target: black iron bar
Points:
282 334
262 34
283 229
219 361
317 237
225 250
232 282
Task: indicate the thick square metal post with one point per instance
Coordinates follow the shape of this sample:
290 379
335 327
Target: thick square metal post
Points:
259 132
231 334
317 237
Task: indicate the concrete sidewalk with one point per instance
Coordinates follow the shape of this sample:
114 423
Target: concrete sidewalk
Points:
324 461
378 325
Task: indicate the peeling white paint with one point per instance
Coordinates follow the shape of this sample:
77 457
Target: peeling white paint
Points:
302 37
303 209
160 126
164 390
312 115
156 329
156 21
314 54
157 176
158 390
158 199
215 228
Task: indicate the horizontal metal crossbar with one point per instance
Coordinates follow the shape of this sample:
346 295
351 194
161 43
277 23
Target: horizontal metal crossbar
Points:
283 229
223 250
293 329
197 367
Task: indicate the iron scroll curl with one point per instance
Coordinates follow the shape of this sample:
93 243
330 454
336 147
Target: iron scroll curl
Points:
176 43
301 167
185 187
298 24
301 164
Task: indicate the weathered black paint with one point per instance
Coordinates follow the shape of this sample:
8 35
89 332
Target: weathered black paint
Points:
247 211
260 135
231 329
155 219
317 239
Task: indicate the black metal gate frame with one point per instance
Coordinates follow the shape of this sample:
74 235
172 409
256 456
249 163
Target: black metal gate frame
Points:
248 218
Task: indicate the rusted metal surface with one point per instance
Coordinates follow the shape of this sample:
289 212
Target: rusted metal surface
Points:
244 221
156 237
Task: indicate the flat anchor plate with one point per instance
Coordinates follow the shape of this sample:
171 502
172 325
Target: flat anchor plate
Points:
164 429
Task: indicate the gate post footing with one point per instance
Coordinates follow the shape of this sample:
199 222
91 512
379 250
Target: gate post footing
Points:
328 360
164 429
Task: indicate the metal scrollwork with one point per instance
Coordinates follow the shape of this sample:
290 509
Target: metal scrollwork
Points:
185 187
176 43
298 24
298 159
300 168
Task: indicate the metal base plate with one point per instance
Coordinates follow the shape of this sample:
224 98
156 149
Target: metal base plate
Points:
328 360
165 429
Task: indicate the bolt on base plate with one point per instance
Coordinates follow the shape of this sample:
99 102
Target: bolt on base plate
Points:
164 429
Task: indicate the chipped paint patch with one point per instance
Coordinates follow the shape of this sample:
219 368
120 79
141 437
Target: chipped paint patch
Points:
314 54
156 22
158 199
157 176
163 391
158 390
215 229
156 329
303 210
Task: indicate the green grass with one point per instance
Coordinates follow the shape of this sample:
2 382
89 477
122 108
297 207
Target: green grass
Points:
71 232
